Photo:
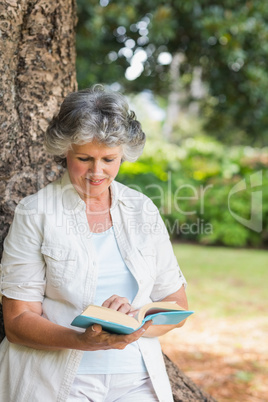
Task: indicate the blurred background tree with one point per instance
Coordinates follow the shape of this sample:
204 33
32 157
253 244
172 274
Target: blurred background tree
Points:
218 51
201 65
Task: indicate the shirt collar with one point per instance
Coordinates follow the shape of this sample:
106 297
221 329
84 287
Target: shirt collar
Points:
122 194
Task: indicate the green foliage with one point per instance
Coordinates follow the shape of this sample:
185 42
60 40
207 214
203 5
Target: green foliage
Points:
228 40
190 182
191 186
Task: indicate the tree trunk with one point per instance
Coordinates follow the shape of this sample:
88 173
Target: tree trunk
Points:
183 388
37 70
175 97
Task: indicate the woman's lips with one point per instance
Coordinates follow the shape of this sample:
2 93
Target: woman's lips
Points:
95 182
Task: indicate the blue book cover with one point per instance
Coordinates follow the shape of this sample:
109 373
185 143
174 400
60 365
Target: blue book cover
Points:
162 313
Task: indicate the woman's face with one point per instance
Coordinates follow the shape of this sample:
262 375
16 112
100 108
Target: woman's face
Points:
92 167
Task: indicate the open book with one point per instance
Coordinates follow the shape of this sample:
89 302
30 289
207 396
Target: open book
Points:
162 313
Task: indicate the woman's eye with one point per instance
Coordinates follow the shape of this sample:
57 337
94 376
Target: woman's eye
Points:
83 159
88 159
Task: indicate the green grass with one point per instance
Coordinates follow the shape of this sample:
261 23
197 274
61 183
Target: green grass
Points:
225 282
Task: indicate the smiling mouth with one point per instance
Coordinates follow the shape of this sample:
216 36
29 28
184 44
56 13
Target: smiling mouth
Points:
95 182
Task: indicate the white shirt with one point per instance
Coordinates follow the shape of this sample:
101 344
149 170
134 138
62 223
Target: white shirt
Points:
48 257
114 277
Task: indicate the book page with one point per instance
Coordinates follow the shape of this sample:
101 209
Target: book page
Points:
108 314
157 307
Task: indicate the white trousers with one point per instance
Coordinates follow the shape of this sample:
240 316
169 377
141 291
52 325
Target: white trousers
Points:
112 388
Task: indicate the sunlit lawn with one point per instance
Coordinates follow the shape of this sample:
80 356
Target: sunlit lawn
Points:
225 282
223 346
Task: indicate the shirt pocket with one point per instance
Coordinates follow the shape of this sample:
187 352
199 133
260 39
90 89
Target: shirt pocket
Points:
60 264
148 258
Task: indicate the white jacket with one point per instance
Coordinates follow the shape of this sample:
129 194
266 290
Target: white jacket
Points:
48 258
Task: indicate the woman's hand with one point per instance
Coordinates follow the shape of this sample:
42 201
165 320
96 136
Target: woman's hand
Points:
121 304
26 326
96 339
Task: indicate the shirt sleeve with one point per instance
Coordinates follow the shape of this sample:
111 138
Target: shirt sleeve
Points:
22 271
169 277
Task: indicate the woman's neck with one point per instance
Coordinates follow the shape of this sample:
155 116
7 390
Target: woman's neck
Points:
98 213
99 204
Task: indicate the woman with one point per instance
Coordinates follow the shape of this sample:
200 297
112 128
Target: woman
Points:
86 239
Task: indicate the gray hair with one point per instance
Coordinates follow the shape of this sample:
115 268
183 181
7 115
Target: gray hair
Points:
95 114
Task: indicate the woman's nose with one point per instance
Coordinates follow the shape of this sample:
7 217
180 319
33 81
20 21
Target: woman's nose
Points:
96 167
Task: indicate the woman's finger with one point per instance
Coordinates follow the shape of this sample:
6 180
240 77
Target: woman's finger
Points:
125 308
133 313
117 303
137 334
108 302
96 329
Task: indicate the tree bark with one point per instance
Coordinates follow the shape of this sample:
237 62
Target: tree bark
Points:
175 97
37 70
183 388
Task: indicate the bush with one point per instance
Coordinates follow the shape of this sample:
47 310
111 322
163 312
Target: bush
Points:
194 188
